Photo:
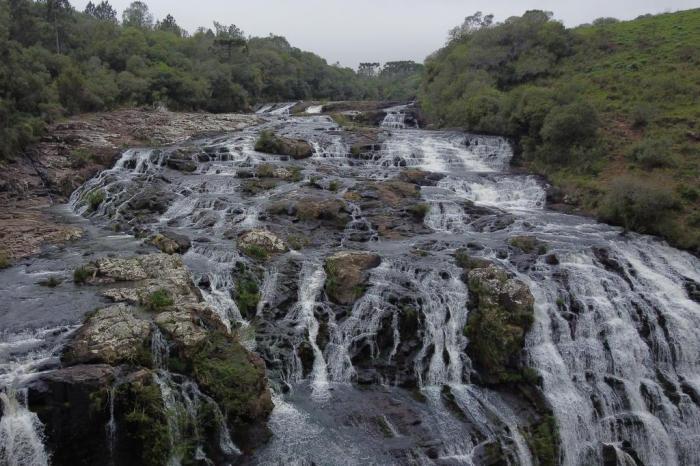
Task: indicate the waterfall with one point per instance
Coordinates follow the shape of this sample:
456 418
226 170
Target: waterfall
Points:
395 120
387 380
608 381
314 109
310 284
183 401
21 432
444 308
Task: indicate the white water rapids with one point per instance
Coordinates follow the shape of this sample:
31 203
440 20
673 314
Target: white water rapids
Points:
614 340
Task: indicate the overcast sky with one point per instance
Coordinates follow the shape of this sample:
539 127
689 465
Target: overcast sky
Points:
353 31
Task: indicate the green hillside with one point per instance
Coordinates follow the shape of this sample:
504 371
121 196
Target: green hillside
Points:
609 112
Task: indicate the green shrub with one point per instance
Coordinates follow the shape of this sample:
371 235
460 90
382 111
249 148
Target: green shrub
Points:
81 274
247 295
265 170
570 124
642 114
144 422
255 252
638 205
297 242
268 143
296 174
51 282
334 185
79 158
543 440
5 261
419 211
652 153
158 300
95 198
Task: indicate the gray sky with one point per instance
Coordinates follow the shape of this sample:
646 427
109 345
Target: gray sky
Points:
353 31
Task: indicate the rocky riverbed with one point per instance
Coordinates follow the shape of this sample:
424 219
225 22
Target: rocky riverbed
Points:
73 151
291 291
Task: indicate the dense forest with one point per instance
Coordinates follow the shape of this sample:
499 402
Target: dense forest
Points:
609 111
57 61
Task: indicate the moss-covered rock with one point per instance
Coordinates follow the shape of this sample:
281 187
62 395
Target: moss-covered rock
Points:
170 243
74 405
327 210
270 143
235 379
528 244
246 293
200 347
467 262
543 440
501 313
346 275
142 419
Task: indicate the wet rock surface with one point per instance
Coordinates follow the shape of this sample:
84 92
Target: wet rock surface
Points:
118 357
346 275
406 298
75 150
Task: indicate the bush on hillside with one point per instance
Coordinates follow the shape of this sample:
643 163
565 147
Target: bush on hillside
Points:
638 205
652 153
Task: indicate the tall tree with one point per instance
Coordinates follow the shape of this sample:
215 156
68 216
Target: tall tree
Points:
368 69
170 25
103 11
471 23
137 15
57 12
228 37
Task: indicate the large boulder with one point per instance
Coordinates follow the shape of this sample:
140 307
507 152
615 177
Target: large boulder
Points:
313 210
347 275
501 313
160 319
111 335
260 243
170 242
270 143
392 207
78 404
235 378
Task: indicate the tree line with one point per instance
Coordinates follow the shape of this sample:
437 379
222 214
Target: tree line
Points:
57 61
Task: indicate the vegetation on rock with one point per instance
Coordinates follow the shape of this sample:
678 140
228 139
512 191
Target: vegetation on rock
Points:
144 423
528 244
269 143
158 300
347 275
5 261
501 313
233 377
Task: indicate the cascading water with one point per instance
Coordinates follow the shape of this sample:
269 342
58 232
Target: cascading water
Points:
21 433
387 379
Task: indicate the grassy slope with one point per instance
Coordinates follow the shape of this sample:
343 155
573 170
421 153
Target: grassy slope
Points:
650 66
